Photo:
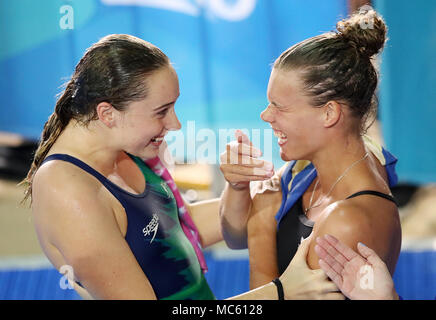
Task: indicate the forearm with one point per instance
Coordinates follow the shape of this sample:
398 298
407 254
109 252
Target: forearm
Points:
205 215
234 209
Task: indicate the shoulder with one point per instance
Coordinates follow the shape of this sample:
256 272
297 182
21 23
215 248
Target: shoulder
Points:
71 211
346 219
348 223
63 193
63 180
374 222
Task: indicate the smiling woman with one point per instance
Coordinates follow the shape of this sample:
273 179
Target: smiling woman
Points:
97 206
322 100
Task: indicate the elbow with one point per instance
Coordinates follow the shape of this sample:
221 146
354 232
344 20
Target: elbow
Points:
234 233
235 241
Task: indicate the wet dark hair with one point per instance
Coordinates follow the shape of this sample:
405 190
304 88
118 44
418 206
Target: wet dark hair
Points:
338 65
112 70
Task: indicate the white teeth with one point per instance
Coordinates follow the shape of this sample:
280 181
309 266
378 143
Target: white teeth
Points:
157 139
282 141
280 135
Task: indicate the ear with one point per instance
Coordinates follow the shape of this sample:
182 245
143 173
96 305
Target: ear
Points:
106 113
332 113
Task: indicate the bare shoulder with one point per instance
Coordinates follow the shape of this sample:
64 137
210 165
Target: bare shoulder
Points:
348 219
372 220
63 196
61 173
60 182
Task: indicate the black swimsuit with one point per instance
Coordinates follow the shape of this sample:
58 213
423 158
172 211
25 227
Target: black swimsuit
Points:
295 226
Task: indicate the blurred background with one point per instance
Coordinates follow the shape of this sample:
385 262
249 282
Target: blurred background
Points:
222 51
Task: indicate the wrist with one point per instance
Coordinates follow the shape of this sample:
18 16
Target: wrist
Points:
280 291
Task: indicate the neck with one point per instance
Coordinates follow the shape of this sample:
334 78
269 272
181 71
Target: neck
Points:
335 161
90 144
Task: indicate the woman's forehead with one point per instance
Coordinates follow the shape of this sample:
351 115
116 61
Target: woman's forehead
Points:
285 85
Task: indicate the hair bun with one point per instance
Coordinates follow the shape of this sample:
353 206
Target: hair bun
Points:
365 30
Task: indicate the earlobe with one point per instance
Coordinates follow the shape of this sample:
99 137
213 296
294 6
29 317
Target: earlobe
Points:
106 114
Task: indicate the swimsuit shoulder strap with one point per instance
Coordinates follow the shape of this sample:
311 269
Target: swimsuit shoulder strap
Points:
79 163
374 193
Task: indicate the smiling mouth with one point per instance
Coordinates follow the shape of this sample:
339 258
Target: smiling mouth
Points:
157 139
282 137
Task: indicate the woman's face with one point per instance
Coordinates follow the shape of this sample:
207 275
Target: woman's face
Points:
296 123
145 123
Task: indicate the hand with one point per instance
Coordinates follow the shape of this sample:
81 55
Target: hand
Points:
300 282
361 276
239 163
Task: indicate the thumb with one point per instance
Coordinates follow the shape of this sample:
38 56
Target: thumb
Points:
242 137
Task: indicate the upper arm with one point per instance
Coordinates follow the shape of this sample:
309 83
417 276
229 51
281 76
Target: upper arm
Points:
205 215
74 218
349 224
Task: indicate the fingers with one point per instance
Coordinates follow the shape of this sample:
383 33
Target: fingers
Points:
327 257
236 177
327 290
335 276
369 254
334 296
239 163
340 248
328 251
235 149
242 137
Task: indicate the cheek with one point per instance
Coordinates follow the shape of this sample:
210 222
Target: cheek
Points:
137 134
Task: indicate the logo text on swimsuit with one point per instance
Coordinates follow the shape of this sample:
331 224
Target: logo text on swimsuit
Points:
152 226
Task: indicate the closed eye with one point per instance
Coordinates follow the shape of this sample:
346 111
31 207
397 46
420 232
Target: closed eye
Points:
163 112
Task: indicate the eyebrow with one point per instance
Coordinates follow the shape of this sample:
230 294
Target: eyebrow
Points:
276 104
166 105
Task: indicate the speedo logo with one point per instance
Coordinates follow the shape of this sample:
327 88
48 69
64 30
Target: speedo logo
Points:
151 227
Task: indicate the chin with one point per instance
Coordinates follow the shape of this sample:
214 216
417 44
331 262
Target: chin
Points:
149 154
284 156
287 155
146 153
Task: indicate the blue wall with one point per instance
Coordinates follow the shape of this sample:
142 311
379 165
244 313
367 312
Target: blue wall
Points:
407 91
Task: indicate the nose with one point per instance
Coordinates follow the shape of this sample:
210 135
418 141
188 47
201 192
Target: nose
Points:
172 123
267 115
